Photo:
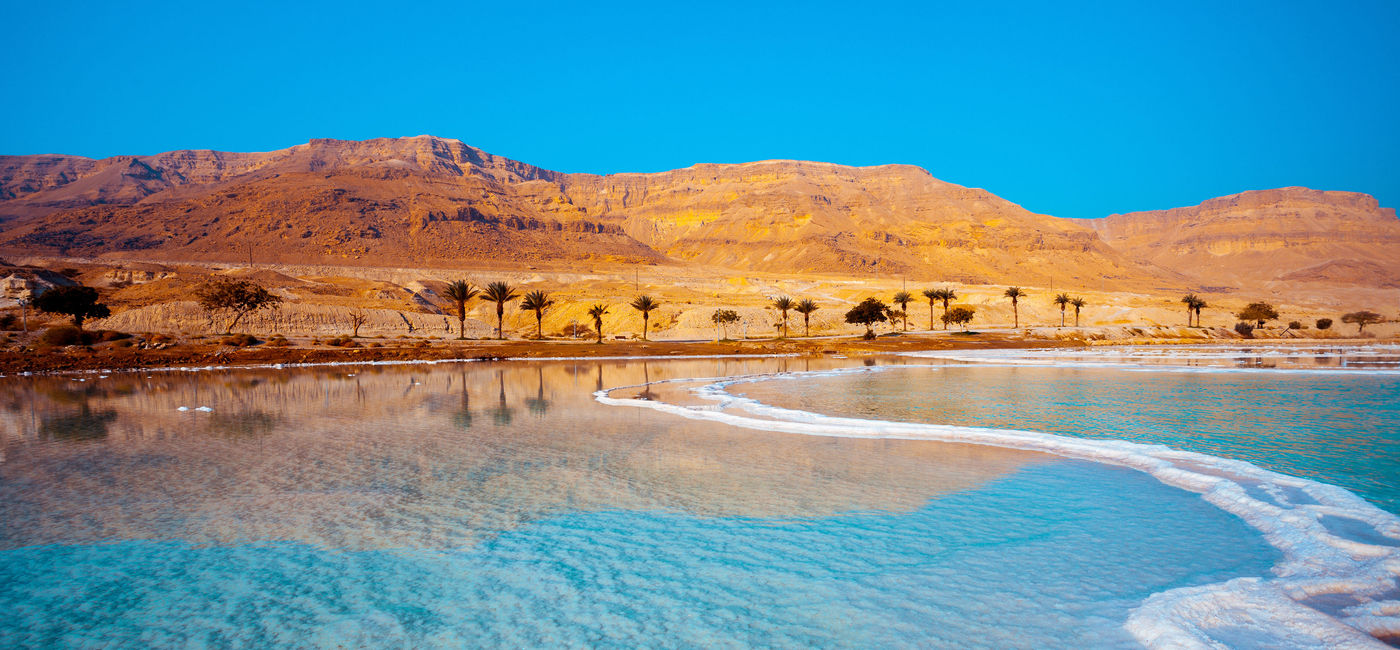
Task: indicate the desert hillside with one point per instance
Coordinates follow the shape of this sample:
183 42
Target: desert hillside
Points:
432 202
1293 235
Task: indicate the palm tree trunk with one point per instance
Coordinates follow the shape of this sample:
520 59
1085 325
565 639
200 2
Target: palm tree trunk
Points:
1015 315
807 324
1076 317
500 319
644 325
930 316
1062 315
539 325
945 313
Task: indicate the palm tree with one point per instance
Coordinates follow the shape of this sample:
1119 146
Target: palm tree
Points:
946 295
597 312
1015 294
645 305
499 293
537 301
806 307
459 292
1062 300
783 304
1078 304
1197 307
1190 301
902 299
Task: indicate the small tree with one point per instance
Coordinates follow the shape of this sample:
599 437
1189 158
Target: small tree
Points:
867 313
806 307
237 298
537 301
1245 329
646 305
1063 301
959 316
1078 305
784 304
1324 323
459 292
1015 294
1258 312
896 316
1361 319
902 299
722 318
1296 325
357 319
77 301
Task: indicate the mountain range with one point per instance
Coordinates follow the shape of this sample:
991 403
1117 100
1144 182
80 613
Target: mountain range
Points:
430 202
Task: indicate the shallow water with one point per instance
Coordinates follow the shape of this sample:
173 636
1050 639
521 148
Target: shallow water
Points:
501 505
1338 428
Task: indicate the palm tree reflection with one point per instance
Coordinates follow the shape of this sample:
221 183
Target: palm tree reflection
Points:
502 414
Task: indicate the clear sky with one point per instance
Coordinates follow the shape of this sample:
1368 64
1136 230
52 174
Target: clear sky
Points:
1076 110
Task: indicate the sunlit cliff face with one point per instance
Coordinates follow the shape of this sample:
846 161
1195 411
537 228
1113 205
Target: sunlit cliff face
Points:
419 456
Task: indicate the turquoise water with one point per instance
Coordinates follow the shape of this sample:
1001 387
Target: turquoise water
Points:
500 505
1339 428
1004 566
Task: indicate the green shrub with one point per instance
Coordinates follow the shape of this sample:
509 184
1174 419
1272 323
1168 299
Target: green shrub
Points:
62 335
278 341
1245 329
1324 323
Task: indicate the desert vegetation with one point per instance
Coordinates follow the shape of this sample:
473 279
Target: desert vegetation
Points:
867 313
537 302
499 293
959 316
1361 319
460 292
784 304
78 302
723 318
805 307
1258 313
902 299
1015 294
645 304
235 299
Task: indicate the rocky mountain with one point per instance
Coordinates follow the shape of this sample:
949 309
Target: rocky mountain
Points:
1292 234
433 202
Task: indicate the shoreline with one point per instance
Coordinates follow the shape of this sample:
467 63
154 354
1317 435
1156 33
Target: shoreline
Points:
205 355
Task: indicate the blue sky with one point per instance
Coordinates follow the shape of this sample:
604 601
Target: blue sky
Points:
1076 110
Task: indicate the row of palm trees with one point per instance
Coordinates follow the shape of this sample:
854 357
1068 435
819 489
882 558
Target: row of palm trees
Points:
460 292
